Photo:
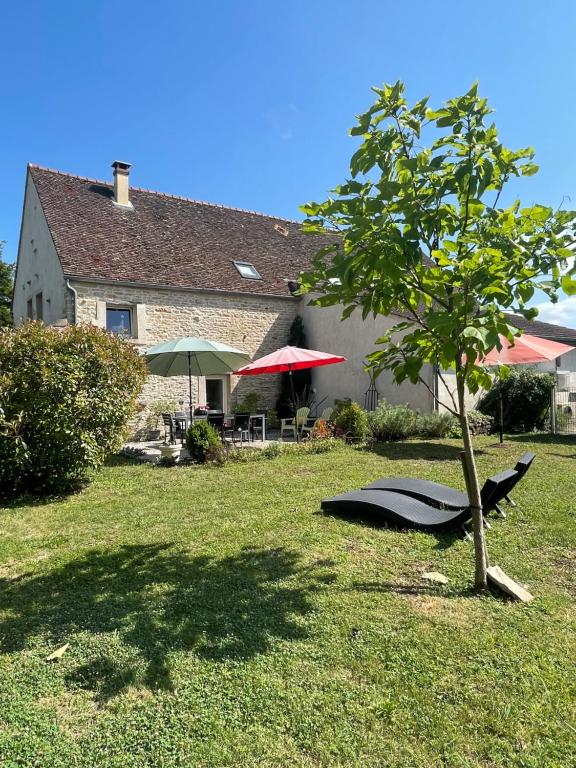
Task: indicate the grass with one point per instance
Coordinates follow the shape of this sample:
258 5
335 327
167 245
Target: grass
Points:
216 618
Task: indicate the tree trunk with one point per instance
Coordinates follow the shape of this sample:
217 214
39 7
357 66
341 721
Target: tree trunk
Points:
473 488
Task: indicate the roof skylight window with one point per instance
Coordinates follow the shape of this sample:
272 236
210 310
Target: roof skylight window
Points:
247 270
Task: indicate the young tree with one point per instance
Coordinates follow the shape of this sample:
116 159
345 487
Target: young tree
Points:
423 236
6 286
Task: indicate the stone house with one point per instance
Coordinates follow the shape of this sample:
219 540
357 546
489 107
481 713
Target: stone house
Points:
153 266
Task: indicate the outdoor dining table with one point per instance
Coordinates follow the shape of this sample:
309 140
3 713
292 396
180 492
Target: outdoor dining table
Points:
185 421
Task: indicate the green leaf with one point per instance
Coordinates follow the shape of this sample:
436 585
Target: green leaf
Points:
475 207
568 285
348 311
529 169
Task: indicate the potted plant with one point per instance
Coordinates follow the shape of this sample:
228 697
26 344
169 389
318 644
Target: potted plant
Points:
170 451
155 411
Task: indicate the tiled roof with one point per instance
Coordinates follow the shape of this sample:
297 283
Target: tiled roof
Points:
544 330
168 240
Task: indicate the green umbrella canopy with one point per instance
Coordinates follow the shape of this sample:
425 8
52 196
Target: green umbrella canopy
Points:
192 356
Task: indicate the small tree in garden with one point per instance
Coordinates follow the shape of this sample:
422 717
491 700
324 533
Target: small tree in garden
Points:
302 379
65 398
424 235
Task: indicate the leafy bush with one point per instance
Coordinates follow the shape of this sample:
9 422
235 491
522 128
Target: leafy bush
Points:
479 424
397 422
156 409
272 420
65 398
250 404
202 440
350 420
437 424
274 450
322 445
526 399
564 419
217 454
301 380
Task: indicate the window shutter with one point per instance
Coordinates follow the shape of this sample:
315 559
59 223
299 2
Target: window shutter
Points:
100 319
139 328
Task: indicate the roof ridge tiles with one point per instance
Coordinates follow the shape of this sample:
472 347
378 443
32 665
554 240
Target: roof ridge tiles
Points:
166 194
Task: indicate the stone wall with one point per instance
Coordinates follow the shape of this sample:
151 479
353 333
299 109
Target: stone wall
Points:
257 324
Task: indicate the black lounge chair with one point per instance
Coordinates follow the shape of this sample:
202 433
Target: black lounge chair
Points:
444 496
522 466
407 512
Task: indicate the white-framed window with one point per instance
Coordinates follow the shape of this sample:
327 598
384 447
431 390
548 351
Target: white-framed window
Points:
247 270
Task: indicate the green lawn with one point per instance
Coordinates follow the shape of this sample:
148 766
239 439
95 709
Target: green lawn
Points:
216 618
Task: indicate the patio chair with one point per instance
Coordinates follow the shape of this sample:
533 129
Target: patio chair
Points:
169 428
256 426
444 496
294 424
216 420
240 429
309 424
407 512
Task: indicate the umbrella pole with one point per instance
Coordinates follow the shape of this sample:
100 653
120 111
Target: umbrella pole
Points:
293 402
190 385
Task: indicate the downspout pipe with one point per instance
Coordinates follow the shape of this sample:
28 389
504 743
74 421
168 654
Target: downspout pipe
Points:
74 293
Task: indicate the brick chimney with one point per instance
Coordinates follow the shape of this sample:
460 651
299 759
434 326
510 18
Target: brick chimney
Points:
121 186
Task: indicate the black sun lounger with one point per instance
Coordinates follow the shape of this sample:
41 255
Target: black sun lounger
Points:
522 466
405 511
444 496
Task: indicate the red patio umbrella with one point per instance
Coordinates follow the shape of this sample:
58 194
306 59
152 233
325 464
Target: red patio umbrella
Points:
286 360
524 349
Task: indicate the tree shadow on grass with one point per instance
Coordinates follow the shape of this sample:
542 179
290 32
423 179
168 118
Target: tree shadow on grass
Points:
544 438
412 451
155 601
39 500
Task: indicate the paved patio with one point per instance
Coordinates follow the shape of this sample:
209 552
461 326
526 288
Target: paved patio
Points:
149 450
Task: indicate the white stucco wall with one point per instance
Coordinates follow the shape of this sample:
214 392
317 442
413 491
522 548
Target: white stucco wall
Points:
355 339
565 363
447 385
39 268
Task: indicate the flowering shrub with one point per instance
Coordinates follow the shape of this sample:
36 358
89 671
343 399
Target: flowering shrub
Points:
350 420
394 422
322 430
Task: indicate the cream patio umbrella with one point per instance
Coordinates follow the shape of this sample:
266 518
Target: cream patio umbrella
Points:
192 356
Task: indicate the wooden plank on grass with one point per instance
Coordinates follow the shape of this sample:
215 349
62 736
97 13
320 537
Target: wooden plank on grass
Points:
497 576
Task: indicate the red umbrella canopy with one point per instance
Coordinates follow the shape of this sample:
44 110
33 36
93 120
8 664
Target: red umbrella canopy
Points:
526 349
289 359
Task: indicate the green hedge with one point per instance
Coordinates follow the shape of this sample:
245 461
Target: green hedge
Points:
65 398
526 400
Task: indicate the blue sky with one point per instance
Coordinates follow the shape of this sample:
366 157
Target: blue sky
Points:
248 103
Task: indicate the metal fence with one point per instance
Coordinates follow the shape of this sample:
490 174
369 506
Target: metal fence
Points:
564 411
